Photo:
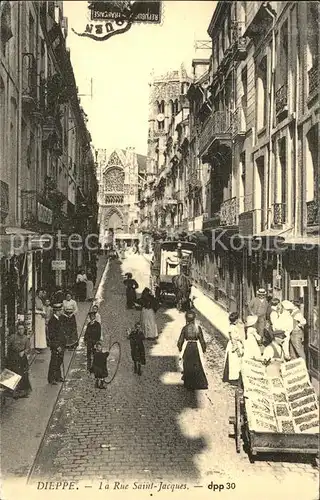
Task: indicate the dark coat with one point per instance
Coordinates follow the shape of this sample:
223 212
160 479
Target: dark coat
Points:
99 364
93 332
56 334
137 348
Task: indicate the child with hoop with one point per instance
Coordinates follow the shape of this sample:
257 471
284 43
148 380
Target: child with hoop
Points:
99 366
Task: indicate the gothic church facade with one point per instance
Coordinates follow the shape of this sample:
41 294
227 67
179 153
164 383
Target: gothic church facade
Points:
120 174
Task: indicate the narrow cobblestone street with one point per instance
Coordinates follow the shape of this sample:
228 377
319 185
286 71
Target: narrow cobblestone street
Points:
149 428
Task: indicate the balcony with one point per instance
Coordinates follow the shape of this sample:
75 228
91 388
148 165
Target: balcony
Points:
313 77
279 214
258 19
282 100
313 218
229 213
212 223
33 212
29 80
216 128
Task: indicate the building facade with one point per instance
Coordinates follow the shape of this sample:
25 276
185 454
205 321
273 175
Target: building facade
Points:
251 182
119 174
163 200
47 168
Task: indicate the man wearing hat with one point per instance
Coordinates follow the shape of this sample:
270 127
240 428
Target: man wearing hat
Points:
57 344
258 307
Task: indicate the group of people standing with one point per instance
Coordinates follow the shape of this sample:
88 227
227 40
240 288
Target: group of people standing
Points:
191 343
273 333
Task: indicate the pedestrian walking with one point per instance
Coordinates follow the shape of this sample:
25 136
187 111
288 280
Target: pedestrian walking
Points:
191 345
138 356
91 337
234 351
258 307
182 288
149 305
252 343
81 285
95 309
58 296
131 287
99 366
285 323
296 342
17 360
89 288
48 309
68 318
40 322
57 344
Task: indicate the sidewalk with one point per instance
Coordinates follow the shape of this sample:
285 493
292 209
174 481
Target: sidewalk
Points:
214 314
24 421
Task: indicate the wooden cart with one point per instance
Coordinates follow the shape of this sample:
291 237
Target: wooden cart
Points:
268 442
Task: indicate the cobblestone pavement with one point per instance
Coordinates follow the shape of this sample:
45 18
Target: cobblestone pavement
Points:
149 428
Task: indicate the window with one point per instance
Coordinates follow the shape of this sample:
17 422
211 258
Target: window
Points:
31 34
260 191
313 46
2 118
242 190
261 93
244 97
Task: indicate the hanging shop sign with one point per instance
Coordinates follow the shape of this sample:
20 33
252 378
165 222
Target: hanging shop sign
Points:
298 283
44 214
106 19
58 265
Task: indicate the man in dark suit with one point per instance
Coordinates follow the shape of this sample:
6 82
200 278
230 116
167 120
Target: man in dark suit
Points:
57 344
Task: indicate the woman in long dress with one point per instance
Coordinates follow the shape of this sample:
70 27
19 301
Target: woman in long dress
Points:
18 348
131 287
149 306
253 341
40 322
69 321
191 344
81 285
89 290
234 351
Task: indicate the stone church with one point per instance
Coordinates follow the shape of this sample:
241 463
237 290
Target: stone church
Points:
120 175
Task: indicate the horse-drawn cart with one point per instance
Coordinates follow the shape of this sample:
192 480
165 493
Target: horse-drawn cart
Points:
169 258
297 433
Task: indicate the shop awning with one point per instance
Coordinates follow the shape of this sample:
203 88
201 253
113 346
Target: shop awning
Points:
198 237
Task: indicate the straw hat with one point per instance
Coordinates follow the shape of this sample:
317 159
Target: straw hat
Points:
287 305
57 307
251 320
279 333
261 291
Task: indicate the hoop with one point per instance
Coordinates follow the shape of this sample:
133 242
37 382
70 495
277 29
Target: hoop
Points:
116 359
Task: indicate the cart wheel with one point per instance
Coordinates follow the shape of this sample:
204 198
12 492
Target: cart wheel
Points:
237 427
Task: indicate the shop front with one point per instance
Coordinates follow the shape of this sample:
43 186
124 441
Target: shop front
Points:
302 280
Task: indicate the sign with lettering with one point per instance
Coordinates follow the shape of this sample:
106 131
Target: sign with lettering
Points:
58 265
108 18
44 214
298 283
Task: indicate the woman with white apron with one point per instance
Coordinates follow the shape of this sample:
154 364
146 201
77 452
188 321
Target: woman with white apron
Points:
40 322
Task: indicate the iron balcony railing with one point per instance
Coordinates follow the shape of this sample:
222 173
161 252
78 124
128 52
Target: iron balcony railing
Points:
218 125
282 99
313 75
279 214
313 215
229 212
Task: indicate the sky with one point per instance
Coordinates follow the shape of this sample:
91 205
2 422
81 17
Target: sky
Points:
120 67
